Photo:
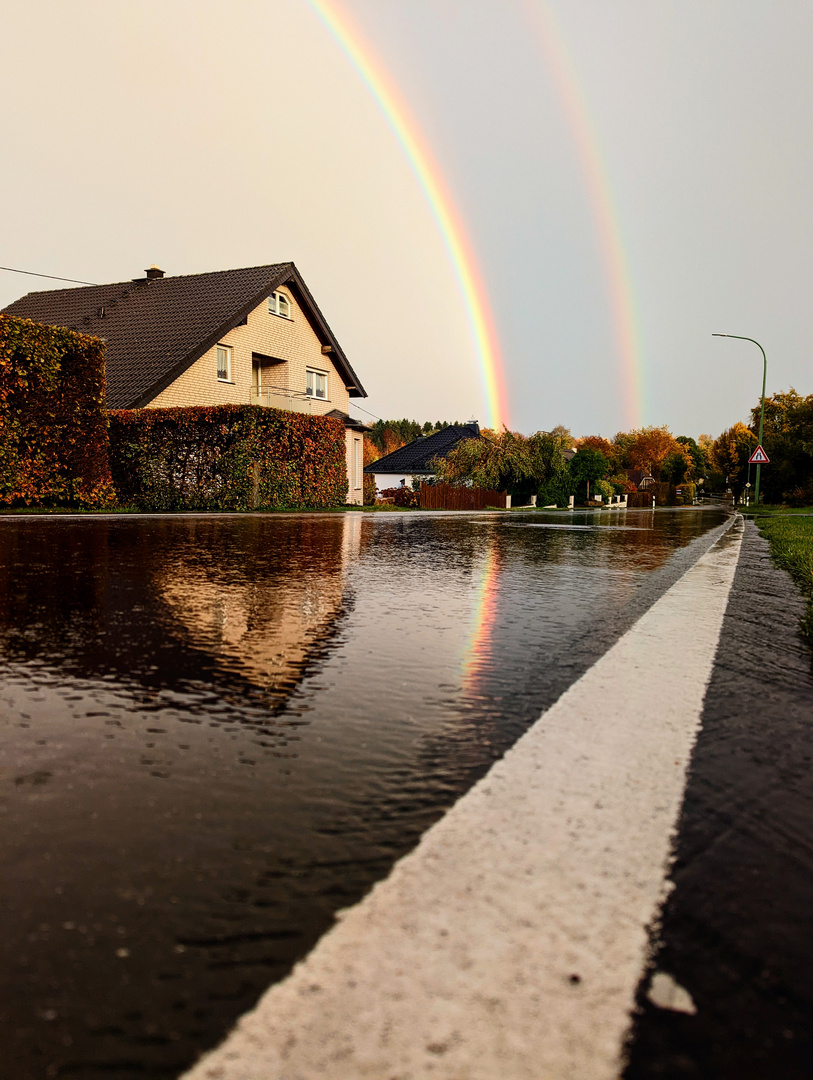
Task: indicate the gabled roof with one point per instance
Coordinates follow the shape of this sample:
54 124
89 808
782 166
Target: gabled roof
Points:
416 456
156 328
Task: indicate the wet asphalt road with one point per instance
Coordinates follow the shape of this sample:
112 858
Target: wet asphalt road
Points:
737 932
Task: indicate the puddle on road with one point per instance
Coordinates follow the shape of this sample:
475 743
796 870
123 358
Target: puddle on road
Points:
215 732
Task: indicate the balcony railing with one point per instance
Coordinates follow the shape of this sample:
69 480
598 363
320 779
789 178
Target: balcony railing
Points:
277 398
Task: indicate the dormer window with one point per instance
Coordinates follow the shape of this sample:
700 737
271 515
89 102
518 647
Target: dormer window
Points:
279 304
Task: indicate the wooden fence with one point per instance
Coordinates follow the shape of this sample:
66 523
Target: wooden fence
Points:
637 500
446 497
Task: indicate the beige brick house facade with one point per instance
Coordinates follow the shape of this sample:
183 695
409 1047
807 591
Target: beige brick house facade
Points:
270 357
253 336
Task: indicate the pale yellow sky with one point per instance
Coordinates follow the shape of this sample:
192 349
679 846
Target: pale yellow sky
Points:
202 135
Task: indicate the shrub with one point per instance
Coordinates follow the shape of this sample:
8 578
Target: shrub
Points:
227 457
556 490
401 496
53 429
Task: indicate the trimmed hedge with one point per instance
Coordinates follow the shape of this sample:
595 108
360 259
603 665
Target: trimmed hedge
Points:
53 427
227 457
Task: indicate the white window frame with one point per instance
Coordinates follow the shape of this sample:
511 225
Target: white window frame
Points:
312 385
276 302
227 350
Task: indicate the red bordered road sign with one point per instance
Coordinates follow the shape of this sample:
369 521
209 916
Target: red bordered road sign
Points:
759 457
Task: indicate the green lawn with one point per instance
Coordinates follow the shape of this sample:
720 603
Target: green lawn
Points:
790 534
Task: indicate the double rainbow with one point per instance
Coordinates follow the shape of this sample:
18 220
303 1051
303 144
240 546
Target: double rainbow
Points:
431 181
457 243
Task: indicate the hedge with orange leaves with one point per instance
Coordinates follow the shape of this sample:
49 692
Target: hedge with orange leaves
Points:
53 426
227 457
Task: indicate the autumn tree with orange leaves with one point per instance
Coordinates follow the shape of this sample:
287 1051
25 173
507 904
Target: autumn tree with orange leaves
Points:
650 447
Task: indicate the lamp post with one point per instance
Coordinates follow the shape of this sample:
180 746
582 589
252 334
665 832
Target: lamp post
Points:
739 337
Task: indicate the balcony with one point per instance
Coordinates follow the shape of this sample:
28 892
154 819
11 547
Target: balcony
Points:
277 398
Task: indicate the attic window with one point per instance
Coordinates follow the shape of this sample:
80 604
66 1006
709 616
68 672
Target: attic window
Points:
223 363
316 384
279 304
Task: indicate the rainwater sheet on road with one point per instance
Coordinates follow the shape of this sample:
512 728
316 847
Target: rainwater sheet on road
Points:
219 731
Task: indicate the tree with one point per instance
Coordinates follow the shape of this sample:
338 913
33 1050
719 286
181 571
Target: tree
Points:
496 461
588 464
650 448
623 442
389 435
788 441
507 460
674 468
730 453
553 482
699 463
604 446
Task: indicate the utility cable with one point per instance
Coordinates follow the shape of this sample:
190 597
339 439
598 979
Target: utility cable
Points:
53 277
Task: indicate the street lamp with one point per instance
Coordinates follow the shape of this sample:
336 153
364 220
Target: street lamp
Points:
739 337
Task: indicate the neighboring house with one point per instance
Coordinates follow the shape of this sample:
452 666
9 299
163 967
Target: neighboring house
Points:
228 337
414 461
640 477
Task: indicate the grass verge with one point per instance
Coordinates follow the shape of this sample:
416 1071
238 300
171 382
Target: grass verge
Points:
790 535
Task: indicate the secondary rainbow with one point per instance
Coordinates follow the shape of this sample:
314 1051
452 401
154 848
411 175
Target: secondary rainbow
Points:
627 334
431 181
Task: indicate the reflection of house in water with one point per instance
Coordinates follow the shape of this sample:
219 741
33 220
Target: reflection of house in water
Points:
263 627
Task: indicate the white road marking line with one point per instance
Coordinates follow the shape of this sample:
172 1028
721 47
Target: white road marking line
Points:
510 942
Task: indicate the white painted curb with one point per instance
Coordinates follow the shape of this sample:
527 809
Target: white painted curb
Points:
510 942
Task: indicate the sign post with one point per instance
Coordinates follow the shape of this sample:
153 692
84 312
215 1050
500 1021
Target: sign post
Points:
764 459
758 458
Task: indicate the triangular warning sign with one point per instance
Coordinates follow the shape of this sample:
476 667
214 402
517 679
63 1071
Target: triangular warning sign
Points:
759 457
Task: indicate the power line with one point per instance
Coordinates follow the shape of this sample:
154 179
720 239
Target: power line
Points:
356 407
53 277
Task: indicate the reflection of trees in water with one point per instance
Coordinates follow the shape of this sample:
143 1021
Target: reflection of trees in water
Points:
432 542
604 546
166 601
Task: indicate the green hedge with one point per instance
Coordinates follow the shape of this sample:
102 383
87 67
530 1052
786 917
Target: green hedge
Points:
227 457
53 427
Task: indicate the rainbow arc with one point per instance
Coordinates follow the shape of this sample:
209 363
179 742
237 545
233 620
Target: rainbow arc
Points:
430 178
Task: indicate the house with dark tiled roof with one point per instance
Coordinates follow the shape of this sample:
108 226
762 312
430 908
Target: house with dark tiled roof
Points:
251 336
415 460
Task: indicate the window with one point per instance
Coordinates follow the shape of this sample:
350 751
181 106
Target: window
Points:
316 384
223 363
279 304
356 463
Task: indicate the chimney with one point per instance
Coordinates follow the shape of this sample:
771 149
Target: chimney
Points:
154 272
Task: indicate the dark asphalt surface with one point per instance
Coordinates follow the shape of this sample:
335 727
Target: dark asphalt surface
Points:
737 931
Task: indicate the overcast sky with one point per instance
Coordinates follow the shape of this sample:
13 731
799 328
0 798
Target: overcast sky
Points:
204 135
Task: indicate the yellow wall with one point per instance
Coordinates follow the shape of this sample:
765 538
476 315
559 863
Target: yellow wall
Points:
292 341
355 476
